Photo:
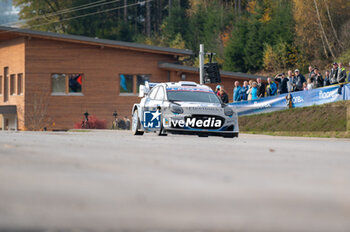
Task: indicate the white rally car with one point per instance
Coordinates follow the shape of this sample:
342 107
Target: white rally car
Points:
183 108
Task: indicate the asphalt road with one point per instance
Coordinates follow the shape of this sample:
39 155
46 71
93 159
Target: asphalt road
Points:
113 181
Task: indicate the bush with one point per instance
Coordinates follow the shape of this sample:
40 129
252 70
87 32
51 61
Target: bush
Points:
92 123
282 56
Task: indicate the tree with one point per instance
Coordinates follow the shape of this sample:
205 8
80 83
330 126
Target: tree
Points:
36 113
104 19
234 51
41 13
207 21
243 33
265 23
176 23
319 26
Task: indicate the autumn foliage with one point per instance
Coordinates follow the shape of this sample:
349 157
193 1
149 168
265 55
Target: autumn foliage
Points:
246 35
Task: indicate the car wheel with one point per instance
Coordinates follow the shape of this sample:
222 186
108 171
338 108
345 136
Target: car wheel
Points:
136 125
230 135
202 135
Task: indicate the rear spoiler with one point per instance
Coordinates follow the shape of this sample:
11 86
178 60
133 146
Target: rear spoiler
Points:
144 89
151 84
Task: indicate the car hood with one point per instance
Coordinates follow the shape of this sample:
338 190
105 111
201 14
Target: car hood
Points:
198 104
201 107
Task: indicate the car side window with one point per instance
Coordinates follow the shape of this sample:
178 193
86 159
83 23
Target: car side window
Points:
160 94
153 93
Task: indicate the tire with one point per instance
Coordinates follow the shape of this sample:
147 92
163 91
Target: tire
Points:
203 135
230 135
136 125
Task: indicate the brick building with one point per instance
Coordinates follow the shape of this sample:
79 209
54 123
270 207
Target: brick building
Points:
50 80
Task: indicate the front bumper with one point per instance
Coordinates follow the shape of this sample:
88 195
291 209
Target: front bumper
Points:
202 132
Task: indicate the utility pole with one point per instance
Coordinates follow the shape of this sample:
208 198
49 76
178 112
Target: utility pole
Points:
201 64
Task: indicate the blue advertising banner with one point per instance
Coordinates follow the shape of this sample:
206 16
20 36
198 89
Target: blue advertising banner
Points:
299 99
346 92
262 105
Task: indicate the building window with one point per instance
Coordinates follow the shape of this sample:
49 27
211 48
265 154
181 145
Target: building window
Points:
12 84
141 79
19 84
63 84
6 84
126 83
0 85
75 82
129 84
58 83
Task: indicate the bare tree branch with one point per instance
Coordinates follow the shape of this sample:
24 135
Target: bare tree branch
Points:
322 29
331 21
324 47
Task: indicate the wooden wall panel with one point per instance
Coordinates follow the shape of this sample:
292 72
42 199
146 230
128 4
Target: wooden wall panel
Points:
12 56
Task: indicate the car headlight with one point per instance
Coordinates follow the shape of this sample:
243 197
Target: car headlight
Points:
176 109
228 111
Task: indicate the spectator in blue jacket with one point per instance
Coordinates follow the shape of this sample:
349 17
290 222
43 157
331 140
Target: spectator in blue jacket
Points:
271 89
254 91
245 88
237 92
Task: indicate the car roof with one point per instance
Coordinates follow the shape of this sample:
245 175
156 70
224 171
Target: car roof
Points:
185 84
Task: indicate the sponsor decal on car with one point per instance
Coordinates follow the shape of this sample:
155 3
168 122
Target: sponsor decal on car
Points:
193 122
151 119
204 108
189 89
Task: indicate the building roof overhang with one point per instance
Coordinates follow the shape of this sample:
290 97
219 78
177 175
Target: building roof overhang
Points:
8 109
10 33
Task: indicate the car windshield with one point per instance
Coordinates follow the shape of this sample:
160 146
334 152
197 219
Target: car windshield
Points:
193 96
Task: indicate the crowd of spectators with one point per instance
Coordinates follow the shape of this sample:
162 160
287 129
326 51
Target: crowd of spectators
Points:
121 124
292 82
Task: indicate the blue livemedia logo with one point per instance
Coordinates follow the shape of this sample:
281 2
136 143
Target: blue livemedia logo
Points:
151 119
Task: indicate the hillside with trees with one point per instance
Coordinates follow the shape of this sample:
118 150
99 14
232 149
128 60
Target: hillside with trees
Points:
247 35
